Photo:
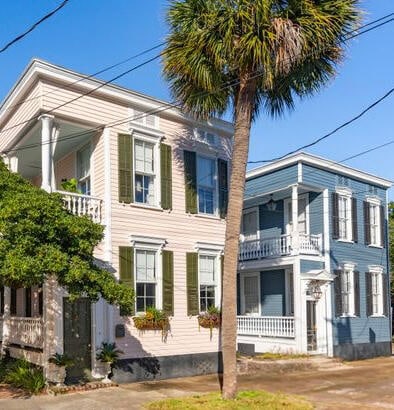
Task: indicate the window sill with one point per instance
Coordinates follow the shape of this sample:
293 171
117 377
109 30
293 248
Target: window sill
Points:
142 206
374 316
347 316
206 216
345 241
375 246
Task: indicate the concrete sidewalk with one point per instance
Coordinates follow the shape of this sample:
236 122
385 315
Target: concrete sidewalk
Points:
362 385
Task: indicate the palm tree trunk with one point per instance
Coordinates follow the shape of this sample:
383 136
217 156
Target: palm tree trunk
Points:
244 107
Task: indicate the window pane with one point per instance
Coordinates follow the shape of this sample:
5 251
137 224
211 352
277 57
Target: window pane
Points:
83 162
205 200
207 270
145 266
206 172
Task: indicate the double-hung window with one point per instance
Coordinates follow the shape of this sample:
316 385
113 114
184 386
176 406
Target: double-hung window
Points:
345 217
144 175
206 181
146 279
377 291
374 220
208 281
83 170
348 290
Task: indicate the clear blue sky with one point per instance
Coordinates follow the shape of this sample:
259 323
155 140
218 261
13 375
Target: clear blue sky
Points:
90 34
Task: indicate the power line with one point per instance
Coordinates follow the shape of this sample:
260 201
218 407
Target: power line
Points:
164 107
345 124
90 76
34 26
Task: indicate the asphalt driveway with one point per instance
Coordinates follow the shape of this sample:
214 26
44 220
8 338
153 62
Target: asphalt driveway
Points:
363 385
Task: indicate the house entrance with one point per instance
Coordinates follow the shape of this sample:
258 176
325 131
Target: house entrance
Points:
311 325
77 337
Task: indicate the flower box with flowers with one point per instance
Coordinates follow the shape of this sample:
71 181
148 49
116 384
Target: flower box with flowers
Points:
152 319
210 319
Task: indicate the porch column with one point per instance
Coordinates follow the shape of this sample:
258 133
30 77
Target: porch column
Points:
13 164
6 319
53 322
294 217
55 136
46 151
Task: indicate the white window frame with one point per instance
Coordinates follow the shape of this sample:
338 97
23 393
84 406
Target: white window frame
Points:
216 251
344 193
349 268
215 188
287 224
87 146
374 202
377 272
155 140
242 291
255 210
142 243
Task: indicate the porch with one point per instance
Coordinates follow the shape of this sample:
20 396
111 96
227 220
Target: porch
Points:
282 245
57 155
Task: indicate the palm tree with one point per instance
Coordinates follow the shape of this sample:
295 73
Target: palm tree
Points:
249 56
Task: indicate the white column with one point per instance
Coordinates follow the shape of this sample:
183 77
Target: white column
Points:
327 267
6 318
294 209
13 164
299 308
46 151
55 136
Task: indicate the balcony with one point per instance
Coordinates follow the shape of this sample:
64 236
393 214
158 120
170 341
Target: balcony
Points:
82 205
26 331
266 326
278 246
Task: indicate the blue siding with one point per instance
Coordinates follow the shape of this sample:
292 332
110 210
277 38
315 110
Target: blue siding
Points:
271 219
307 265
316 221
362 329
271 182
273 293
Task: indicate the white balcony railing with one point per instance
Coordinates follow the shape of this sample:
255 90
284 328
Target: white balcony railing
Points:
81 205
26 331
268 326
280 246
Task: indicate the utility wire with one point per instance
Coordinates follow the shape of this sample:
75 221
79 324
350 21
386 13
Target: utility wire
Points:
164 107
90 76
34 26
345 124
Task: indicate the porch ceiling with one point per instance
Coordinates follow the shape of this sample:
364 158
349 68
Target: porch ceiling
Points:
71 137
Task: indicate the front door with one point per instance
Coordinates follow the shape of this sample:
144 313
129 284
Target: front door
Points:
77 337
251 295
311 325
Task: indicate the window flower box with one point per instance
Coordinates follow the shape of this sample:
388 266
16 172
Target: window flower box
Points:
210 319
152 319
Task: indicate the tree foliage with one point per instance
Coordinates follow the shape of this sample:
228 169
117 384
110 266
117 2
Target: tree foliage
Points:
40 238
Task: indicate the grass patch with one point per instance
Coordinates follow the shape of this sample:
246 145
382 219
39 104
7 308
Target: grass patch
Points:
280 356
246 400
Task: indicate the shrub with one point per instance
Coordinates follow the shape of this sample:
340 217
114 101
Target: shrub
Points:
108 353
61 360
26 376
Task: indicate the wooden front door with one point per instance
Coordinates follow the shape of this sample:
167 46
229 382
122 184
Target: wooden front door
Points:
77 337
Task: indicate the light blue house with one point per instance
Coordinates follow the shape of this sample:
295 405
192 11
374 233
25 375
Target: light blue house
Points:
313 262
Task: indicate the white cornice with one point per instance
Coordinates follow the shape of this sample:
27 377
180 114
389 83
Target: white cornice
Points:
321 163
42 69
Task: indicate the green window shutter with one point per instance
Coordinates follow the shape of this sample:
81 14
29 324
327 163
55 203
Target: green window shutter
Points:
223 187
166 176
190 165
335 215
168 282
192 283
125 168
126 267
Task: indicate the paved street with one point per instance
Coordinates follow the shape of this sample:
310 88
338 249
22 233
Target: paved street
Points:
362 385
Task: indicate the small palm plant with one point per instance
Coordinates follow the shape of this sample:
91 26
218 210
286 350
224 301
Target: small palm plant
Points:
108 354
61 363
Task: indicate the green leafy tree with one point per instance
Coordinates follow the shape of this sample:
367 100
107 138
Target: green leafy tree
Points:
40 238
248 57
